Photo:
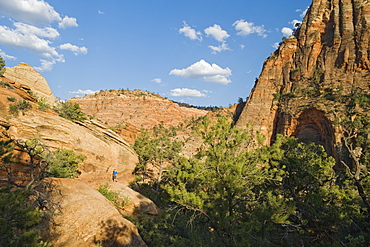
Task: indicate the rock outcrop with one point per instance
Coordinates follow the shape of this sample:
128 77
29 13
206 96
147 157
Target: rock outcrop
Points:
29 78
85 218
81 216
134 110
103 148
298 89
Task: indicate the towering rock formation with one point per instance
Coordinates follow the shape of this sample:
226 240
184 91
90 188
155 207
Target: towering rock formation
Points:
302 85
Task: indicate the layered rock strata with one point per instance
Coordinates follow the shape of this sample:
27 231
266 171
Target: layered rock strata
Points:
30 79
298 89
134 110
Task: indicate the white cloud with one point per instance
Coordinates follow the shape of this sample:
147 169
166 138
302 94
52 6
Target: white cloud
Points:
222 47
295 22
206 72
190 32
36 12
27 38
46 65
83 92
242 46
275 45
157 80
217 33
6 56
37 35
245 28
304 13
287 31
100 12
186 92
46 32
75 49
68 22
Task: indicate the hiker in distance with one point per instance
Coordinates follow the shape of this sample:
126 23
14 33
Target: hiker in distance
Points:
114 176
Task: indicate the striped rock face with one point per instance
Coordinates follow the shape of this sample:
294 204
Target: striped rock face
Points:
302 84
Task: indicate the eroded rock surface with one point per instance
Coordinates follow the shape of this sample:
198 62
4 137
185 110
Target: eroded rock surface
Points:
301 82
81 216
29 78
134 110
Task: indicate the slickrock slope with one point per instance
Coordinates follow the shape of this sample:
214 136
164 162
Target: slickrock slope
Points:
104 149
137 109
298 89
31 79
84 217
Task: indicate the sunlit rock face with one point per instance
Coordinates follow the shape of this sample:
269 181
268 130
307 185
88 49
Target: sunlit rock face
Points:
103 148
80 216
297 91
135 110
27 76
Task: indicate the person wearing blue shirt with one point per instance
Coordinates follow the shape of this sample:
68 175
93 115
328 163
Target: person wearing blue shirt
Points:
114 177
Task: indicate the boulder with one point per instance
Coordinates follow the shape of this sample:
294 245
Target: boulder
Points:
81 216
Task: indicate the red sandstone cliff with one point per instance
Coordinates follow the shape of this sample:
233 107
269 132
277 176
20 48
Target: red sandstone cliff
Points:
134 110
327 57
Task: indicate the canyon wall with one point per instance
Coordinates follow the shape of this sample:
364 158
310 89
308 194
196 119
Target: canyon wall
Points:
327 58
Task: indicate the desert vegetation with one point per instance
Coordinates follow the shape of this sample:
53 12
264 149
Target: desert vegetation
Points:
286 194
21 203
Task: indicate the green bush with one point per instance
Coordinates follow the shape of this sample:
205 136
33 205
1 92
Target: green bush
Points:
113 196
12 98
70 111
63 163
2 66
43 106
22 106
6 85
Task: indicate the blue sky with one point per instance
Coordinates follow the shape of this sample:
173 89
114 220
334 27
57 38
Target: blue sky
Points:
201 52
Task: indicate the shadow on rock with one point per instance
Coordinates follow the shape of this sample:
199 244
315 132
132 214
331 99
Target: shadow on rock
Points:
116 234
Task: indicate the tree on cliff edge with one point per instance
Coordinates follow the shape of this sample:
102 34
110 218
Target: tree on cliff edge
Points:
2 66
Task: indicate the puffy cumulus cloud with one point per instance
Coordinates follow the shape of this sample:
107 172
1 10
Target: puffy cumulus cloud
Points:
28 38
204 71
32 30
46 65
36 12
46 32
245 28
222 47
286 31
157 80
68 22
190 33
186 92
6 56
74 48
82 92
217 33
